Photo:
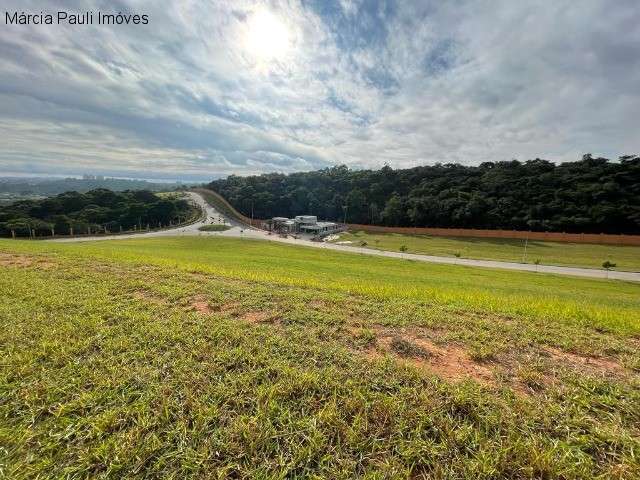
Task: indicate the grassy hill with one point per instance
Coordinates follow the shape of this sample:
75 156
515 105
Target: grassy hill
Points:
217 358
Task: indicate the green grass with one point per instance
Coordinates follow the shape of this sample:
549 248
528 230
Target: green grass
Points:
608 305
548 253
223 358
214 228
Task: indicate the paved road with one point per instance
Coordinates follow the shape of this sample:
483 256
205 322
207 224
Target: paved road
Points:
239 231
212 216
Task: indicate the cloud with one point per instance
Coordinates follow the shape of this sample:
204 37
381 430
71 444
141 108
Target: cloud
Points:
363 83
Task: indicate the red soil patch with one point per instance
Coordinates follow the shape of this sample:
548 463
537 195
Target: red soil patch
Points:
453 363
448 362
201 307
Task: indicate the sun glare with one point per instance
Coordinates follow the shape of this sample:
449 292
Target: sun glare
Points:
268 37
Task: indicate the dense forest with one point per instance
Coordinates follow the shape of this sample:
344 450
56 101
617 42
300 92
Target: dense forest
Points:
99 210
593 195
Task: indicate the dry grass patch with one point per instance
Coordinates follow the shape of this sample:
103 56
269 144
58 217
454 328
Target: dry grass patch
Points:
586 363
147 296
258 317
24 261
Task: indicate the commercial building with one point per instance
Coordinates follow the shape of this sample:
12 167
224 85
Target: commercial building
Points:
304 224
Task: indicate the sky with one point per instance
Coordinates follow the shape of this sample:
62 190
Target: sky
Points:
210 88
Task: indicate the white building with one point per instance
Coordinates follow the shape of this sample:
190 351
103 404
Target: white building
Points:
304 224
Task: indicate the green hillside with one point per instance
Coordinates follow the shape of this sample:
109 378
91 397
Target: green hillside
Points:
219 358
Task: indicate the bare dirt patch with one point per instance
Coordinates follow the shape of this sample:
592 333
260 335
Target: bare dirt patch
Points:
449 362
200 305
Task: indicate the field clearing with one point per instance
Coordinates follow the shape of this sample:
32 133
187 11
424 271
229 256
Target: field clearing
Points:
626 258
213 358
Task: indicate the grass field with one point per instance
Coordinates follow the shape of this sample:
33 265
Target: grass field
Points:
225 358
626 258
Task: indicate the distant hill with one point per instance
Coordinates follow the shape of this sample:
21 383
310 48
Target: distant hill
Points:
26 187
593 195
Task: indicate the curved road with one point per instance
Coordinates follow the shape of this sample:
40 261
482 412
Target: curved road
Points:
239 231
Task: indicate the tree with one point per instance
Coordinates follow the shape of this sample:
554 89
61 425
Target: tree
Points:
94 211
394 212
592 195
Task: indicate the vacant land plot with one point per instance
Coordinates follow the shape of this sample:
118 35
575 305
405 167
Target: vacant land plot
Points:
217 358
513 250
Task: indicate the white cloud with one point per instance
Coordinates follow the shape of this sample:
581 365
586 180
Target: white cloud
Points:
403 83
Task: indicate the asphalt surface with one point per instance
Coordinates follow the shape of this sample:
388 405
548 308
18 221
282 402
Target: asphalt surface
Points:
240 231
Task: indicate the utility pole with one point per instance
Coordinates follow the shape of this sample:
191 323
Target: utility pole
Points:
344 207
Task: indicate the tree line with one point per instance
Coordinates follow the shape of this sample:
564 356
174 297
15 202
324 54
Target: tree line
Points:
592 195
99 210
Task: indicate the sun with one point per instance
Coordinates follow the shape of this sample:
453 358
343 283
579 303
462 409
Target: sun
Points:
267 38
